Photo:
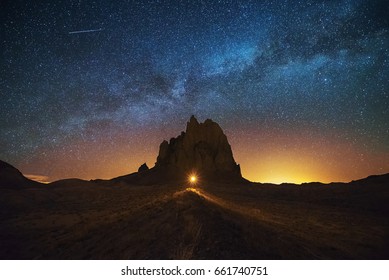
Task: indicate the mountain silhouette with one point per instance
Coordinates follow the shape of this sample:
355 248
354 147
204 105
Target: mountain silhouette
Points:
10 177
202 149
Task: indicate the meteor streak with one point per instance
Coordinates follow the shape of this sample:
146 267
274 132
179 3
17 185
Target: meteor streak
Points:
85 31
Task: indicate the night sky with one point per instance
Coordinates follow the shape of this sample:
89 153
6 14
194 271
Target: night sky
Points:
89 89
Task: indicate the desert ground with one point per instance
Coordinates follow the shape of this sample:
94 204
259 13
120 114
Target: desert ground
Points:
75 219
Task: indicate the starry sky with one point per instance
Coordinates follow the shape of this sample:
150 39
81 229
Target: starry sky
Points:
89 89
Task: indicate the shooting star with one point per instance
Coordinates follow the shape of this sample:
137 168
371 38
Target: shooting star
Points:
85 31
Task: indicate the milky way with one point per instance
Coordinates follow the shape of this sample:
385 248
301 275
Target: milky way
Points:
300 88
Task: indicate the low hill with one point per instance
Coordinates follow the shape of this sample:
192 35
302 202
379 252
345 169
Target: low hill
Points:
10 177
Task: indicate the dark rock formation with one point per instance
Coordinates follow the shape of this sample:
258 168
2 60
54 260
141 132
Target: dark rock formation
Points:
143 167
203 148
10 177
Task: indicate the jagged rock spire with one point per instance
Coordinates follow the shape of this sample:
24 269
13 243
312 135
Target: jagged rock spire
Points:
203 148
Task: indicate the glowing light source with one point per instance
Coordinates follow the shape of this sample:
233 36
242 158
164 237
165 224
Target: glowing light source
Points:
192 179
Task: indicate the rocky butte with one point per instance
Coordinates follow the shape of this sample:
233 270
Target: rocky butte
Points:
203 149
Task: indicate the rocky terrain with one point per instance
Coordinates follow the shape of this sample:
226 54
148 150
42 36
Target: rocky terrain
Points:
203 148
158 213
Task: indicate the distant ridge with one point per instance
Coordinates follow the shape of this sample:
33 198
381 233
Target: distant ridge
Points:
10 177
376 179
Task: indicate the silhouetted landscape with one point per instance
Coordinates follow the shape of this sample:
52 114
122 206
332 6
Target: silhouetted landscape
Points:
193 204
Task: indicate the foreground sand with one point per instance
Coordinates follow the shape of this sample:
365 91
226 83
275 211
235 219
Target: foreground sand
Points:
74 219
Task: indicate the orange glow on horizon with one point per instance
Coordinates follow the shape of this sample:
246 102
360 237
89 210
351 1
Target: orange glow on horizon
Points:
277 158
264 155
38 178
